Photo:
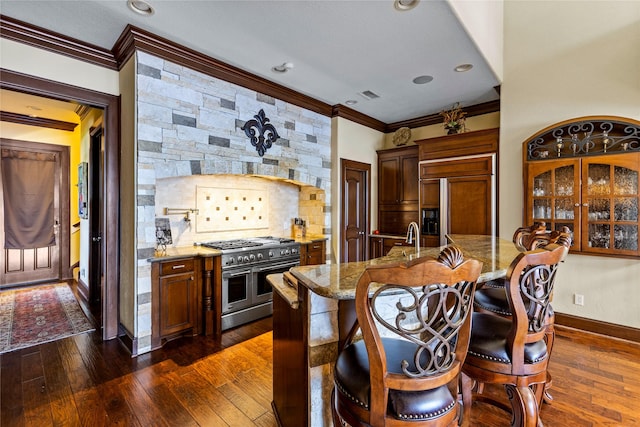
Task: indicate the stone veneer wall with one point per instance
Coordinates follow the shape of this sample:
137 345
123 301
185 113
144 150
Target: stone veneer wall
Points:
189 123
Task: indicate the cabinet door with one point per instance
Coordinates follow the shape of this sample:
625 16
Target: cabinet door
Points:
553 196
610 204
376 248
177 303
469 205
388 182
409 179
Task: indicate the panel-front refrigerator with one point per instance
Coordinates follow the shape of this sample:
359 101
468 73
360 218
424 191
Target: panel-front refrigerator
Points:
457 196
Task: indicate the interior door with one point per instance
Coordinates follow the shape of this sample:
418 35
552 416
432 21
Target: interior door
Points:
21 266
355 210
96 217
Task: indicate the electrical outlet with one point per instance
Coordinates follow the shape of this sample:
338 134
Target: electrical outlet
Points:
578 299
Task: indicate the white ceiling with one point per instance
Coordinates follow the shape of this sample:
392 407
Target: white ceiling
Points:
338 48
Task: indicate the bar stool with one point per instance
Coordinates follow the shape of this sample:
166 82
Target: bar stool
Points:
513 351
414 320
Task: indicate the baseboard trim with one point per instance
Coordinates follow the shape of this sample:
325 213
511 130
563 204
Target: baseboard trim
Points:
598 327
128 340
83 290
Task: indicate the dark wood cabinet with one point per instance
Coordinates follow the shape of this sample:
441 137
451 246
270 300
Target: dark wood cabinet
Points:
381 245
397 189
313 253
175 299
458 185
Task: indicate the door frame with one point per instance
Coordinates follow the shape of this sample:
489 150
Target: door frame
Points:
110 104
63 211
366 169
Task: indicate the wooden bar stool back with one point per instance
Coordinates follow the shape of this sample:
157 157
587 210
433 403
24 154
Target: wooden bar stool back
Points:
514 351
414 320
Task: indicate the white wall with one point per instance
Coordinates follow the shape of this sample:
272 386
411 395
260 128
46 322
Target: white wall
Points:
352 141
37 62
483 20
562 60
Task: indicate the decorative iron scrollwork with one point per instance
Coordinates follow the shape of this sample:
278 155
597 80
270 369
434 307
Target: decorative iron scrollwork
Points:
261 133
585 138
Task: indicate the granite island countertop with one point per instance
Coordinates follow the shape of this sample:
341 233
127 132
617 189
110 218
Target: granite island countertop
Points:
338 281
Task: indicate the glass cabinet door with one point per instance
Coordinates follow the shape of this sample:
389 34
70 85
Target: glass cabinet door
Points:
553 194
610 205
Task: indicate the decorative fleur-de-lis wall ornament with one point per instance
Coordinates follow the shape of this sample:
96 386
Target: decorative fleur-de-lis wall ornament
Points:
261 132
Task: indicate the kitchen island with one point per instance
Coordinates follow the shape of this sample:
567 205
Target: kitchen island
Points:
313 311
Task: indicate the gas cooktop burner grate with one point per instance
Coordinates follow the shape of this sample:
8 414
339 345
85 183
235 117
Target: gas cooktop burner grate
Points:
231 244
278 239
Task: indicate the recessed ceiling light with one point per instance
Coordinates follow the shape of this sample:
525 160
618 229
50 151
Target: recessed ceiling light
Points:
420 80
351 102
283 68
463 67
405 4
141 7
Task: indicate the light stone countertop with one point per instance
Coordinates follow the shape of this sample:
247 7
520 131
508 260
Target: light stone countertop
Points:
183 252
338 281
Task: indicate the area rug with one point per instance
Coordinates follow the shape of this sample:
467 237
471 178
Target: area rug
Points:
38 315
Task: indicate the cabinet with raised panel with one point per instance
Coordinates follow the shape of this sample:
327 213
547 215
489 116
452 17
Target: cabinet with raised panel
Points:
585 175
397 189
175 298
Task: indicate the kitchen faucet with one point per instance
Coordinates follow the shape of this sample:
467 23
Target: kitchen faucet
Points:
413 233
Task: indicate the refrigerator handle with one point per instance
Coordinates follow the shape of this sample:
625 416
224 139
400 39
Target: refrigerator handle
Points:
444 211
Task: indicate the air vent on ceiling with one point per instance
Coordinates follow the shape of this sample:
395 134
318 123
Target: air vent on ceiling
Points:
367 94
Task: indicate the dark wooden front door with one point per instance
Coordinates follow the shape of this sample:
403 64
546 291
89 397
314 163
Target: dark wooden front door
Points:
356 183
47 263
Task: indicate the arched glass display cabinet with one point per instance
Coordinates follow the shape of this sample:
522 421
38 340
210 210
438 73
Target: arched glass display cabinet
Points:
584 174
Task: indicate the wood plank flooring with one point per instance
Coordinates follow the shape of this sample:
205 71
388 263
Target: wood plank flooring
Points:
82 381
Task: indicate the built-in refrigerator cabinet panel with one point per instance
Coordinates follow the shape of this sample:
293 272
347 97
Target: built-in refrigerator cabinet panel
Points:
463 201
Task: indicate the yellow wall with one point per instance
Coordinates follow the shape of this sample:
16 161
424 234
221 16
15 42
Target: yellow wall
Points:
564 60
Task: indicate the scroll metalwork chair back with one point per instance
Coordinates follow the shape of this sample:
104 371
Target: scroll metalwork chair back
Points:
513 351
414 320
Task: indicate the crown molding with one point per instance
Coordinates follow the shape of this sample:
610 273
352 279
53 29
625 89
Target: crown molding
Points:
24 119
345 112
41 38
133 38
436 119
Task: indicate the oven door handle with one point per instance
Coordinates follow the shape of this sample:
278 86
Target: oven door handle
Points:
239 273
278 266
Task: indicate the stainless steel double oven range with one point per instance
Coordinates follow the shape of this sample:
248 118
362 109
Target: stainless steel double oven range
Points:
246 295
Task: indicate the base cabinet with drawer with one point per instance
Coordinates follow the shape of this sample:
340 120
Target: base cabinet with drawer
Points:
176 299
312 253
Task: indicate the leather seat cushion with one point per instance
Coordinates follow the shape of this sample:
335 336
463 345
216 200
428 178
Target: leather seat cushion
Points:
352 380
489 340
493 300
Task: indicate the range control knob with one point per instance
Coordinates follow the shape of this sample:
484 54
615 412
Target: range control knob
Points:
270 254
260 256
252 257
239 259
230 261
246 259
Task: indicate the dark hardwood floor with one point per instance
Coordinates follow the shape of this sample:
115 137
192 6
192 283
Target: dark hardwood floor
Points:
82 381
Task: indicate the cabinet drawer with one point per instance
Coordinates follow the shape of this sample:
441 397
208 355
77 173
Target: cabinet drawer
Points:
175 267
